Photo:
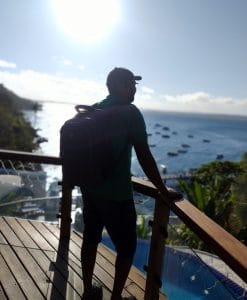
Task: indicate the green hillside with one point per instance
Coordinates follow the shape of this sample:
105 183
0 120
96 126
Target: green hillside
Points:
16 132
19 102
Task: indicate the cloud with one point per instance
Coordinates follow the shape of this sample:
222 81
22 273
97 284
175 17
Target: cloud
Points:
81 67
62 61
147 90
7 64
198 102
58 88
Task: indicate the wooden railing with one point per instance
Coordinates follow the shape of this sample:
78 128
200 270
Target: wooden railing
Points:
229 249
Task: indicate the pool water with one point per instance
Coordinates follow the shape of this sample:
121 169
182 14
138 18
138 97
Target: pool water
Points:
185 277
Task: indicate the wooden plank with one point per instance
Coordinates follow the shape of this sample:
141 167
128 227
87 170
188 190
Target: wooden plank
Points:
50 238
22 277
8 233
56 283
100 274
61 266
2 239
135 283
109 255
53 241
135 274
2 294
29 157
35 235
144 187
75 285
8 282
20 232
38 275
103 269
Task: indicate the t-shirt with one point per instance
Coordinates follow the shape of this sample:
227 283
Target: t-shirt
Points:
132 129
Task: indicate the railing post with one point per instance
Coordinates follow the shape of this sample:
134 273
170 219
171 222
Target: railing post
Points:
66 211
157 246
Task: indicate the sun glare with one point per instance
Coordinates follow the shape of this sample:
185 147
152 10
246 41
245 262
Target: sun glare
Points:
87 20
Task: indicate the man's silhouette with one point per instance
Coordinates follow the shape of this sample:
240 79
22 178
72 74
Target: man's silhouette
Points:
111 204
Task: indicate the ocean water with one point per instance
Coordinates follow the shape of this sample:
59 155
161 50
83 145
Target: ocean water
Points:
206 136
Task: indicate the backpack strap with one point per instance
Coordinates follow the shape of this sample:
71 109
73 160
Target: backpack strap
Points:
84 108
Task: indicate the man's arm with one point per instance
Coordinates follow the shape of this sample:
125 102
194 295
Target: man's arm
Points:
150 168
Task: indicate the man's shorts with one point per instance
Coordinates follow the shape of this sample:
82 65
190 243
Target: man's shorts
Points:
119 219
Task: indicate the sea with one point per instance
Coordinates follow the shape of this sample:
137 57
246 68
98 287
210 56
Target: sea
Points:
179 142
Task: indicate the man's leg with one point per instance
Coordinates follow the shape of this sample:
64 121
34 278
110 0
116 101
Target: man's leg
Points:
122 268
88 257
91 237
122 230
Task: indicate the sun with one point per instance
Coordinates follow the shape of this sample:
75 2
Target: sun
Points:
86 20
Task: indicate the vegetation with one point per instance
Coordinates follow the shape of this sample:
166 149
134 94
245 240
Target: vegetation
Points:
219 190
240 193
16 133
142 229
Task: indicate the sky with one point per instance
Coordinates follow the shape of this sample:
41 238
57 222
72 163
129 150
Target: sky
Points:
191 54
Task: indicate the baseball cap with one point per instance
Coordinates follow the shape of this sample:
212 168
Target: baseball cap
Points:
120 75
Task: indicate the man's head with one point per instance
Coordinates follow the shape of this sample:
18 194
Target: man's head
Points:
122 82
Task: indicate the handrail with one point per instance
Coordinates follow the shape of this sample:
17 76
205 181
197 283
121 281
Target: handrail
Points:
228 248
30 157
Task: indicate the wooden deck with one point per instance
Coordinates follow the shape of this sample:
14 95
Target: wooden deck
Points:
34 264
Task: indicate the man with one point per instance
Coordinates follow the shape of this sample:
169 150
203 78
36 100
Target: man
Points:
111 204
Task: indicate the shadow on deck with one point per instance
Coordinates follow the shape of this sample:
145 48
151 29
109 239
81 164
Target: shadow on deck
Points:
36 265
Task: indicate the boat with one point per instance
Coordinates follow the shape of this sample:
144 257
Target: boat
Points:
190 135
165 136
182 151
174 132
166 128
185 145
172 153
206 141
219 156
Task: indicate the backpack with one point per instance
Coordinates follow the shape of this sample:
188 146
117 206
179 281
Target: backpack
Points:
86 145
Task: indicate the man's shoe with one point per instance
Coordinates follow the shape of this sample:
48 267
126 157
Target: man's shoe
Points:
95 294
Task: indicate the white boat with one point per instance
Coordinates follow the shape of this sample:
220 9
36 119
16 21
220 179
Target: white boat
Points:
9 183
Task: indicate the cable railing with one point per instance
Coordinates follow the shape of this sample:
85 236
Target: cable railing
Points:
35 171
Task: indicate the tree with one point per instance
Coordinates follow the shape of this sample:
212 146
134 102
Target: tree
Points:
16 133
211 190
240 193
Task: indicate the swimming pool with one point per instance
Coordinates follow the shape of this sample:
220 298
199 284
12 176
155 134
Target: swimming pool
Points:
186 277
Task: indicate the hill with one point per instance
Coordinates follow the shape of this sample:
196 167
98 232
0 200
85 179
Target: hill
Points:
19 102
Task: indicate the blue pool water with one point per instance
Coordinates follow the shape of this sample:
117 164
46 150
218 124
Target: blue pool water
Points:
186 277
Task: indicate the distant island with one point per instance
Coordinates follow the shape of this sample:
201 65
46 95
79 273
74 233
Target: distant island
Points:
19 102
